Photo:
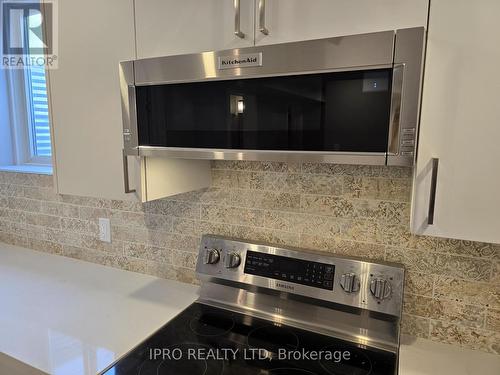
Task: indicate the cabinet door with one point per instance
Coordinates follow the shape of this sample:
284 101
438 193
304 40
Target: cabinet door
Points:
171 27
460 123
85 96
293 20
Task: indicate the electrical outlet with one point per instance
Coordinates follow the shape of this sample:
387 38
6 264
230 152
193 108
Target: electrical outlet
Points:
104 230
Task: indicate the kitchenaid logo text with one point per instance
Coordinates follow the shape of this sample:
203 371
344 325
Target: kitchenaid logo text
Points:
230 354
248 60
240 61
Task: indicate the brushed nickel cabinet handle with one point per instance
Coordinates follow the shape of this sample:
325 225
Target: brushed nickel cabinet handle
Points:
125 174
237 20
432 199
262 17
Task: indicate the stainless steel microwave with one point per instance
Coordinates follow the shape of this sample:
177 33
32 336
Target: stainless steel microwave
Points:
352 99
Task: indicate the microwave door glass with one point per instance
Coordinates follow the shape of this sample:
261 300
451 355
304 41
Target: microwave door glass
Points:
347 111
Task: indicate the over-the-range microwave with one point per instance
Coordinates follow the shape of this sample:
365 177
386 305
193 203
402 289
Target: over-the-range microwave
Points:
352 99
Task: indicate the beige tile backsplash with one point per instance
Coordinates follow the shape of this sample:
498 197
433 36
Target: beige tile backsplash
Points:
452 288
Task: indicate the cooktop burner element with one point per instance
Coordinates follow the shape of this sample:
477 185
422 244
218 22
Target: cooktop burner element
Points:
181 360
291 371
211 325
357 364
269 311
272 339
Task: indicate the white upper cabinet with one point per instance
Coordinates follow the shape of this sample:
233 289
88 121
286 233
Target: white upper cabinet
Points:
460 123
294 20
172 27
94 36
86 111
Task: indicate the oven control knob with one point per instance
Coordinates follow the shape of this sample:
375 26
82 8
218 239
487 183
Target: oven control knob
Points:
232 260
380 288
349 282
212 256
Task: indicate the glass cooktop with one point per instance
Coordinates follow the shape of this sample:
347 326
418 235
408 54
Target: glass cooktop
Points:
204 340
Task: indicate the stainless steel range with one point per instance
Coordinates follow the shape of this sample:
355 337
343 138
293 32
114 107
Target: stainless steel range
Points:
267 310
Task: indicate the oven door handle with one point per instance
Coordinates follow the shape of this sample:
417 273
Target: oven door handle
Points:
396 108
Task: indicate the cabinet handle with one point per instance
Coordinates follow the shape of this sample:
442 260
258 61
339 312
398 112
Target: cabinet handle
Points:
237 20
432 199
125 174
262 17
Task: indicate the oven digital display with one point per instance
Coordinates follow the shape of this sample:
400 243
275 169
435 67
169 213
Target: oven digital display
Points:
319 275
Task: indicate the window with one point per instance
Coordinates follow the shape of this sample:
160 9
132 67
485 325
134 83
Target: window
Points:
35 86
25 143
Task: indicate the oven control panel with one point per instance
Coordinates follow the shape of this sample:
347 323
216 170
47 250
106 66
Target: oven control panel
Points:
376 286
299 271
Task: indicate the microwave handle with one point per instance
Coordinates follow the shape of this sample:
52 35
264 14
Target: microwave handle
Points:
396 104
237 20
128 103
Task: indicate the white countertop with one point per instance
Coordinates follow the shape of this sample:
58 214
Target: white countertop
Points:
425 357
68 317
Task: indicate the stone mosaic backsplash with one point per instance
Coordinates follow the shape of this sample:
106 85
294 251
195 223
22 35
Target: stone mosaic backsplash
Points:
453 287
